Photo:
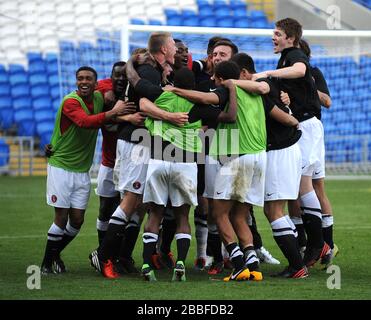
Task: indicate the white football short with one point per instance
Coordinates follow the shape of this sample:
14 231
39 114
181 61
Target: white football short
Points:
312 147
105 185
174 181
283 173
66 189
130 167
242 179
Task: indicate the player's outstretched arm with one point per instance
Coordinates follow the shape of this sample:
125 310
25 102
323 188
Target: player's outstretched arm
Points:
177 118
297 70
194 96
283 117
120 108
253 86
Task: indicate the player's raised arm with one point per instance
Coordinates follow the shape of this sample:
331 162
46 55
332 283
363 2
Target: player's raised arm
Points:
297 70
283 117
195 96
253 86
177 118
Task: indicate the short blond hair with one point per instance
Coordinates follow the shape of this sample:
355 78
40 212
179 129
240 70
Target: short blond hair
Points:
157 40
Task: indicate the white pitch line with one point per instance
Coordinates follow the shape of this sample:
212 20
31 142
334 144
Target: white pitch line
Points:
35 236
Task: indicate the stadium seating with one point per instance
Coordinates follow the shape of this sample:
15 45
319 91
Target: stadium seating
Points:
38 66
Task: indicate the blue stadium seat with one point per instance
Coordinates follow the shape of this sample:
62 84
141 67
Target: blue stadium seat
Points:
43 102
23 114
208 21
38 79
238 5
225 22
4 89
56 103
22 103
55 92
191 21
6 102
205 10
4 76
15 68
36 66
137 21
155 22
39 91
44 126
53 80
44 115
20 90
175 20
18 78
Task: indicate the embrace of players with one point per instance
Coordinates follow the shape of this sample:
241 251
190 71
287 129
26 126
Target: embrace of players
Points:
213 134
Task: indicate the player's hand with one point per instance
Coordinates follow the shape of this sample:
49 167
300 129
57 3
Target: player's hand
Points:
285 98
178 118
124 107
48 150
137 119
168 88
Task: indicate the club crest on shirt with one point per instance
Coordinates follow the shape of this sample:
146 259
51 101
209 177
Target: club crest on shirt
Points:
136 185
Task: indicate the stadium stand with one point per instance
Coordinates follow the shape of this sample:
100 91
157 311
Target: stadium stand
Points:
50 40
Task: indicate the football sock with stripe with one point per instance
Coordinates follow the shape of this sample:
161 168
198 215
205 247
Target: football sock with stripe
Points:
235 255
130 238
312 218
251 259
302 238
149 246
327 229
107 205
284 235
114 234
70 233
55 235
183 242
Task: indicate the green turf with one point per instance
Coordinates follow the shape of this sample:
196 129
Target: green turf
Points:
25 219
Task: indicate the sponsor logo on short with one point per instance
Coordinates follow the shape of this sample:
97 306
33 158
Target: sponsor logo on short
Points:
269 194
136 185
54 198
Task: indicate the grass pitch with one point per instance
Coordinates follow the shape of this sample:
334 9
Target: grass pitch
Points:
25 219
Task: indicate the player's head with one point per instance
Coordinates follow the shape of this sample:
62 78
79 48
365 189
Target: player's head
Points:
226 70
86 81
162 43
119 79
304 46
223 51
181 55
246 65
287 34
184 78
212 42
